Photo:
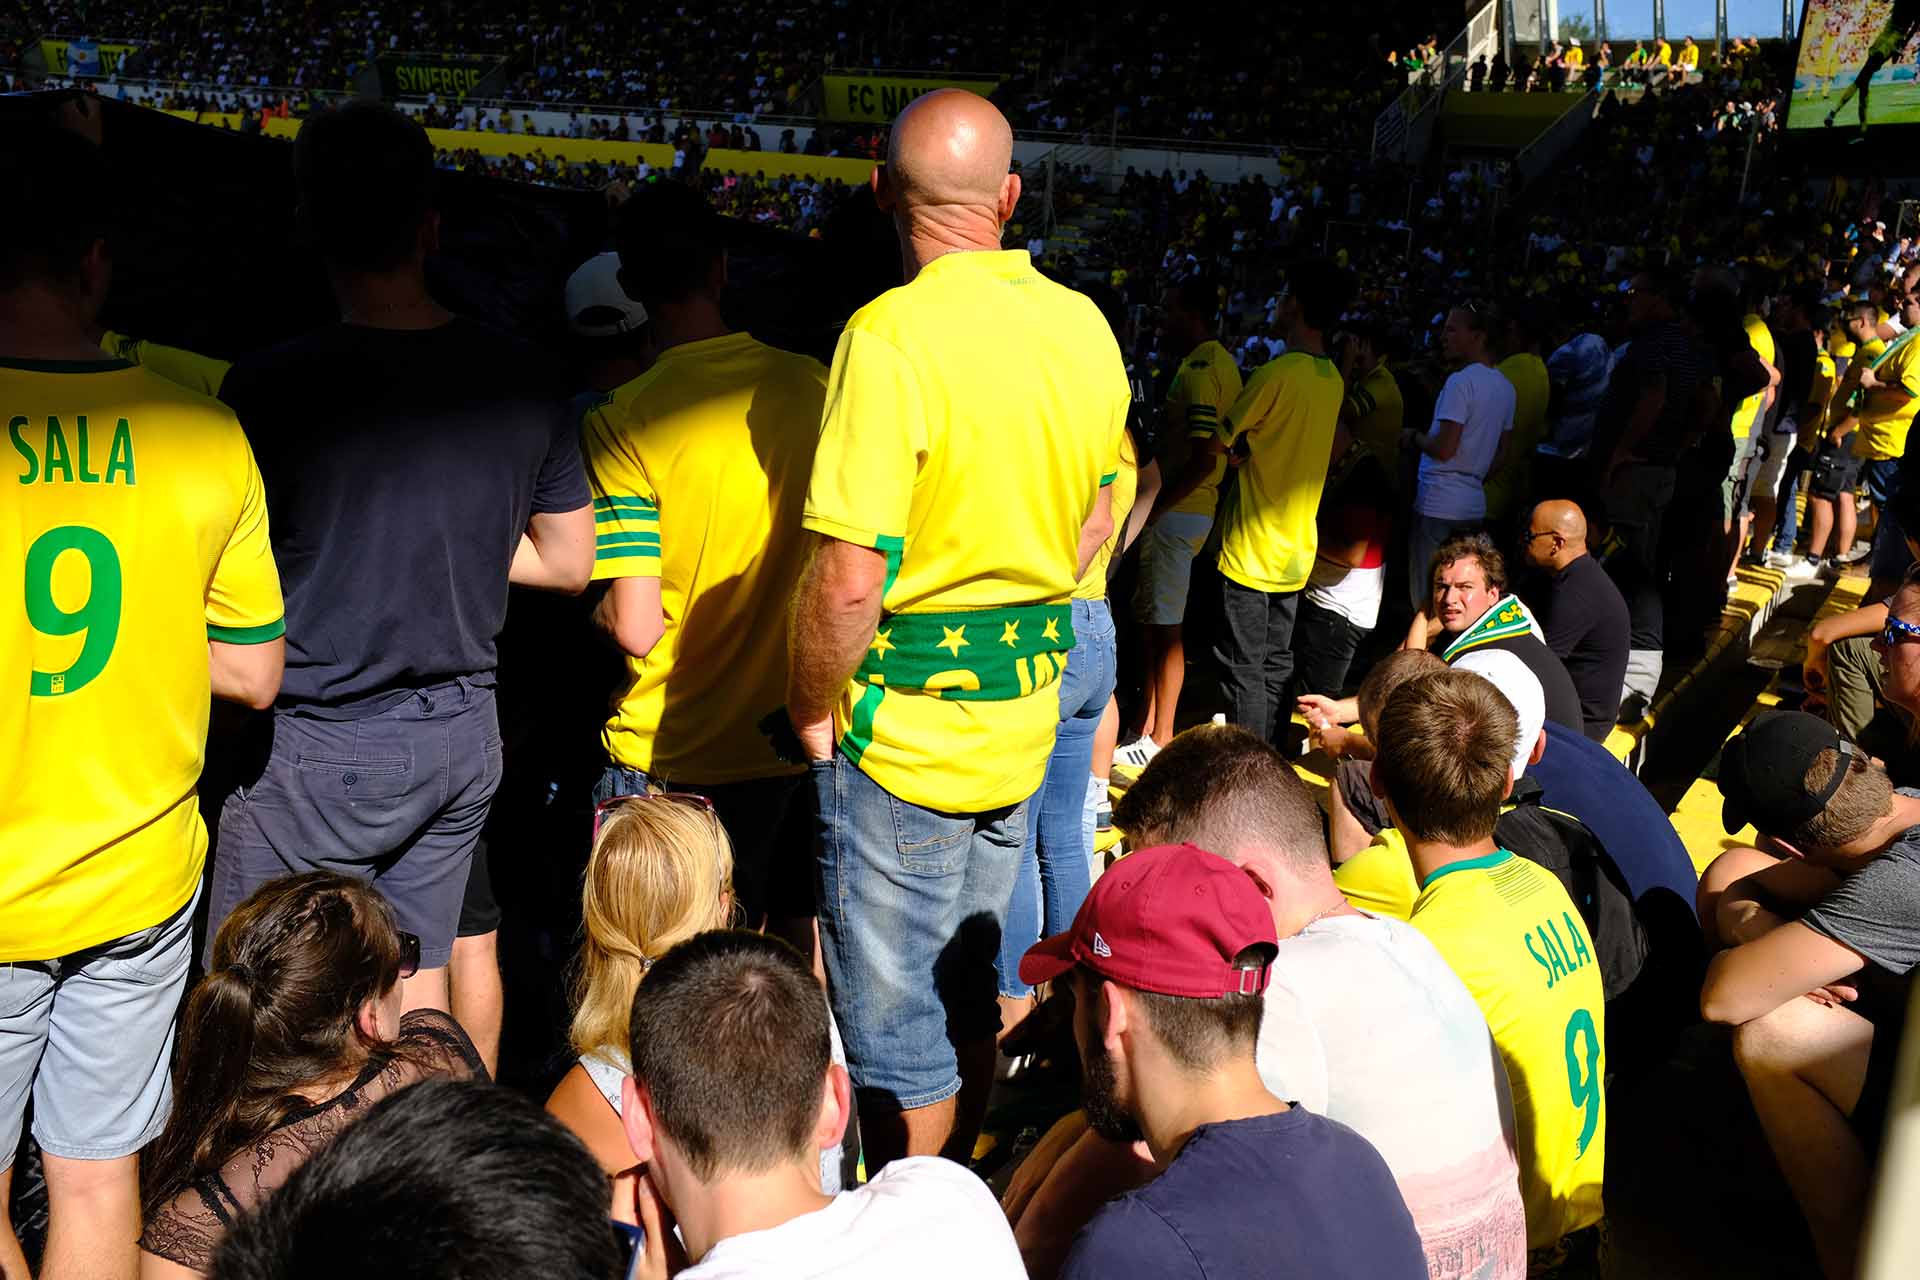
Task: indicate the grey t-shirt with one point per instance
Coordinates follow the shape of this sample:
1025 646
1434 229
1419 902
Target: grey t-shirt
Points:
1876 910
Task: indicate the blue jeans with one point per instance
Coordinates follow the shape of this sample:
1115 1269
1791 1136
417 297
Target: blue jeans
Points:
1786 524
1055 865
1890 559
911 907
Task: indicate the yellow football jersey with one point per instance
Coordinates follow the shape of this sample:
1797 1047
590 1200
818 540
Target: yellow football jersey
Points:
699 469
1749 412
1510 932
1379 879
1377 411
972 417
1532 390
188 369
1898 365
1203 390
1288 412
135 529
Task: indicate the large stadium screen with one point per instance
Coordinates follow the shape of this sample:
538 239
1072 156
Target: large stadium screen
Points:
1856 65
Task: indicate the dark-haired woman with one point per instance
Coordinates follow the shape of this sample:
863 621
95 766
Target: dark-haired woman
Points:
294 1032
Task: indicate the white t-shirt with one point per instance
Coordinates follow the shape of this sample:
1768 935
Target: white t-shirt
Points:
1366 1024
1352 593
1481 400
922 1218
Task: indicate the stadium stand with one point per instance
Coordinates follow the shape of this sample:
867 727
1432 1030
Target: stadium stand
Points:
1684 191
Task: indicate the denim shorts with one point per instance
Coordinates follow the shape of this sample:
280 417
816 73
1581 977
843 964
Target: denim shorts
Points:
1167 549
397 798
911 907
90 1037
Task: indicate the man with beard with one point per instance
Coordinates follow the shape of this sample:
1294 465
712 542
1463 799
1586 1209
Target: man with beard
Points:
1168 960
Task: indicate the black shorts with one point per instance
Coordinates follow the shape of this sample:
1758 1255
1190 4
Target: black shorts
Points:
479 909
1835 470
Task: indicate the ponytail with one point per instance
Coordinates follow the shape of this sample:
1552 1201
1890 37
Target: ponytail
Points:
214 1048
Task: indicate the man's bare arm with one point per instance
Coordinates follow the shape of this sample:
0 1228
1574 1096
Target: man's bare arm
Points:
835 611
1098 528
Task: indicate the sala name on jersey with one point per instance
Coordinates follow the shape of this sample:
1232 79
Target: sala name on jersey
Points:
57 462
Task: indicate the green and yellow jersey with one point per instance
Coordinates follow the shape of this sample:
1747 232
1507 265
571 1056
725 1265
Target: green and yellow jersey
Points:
699 470
134 530
1288 413
1509 931
1203 390
972 418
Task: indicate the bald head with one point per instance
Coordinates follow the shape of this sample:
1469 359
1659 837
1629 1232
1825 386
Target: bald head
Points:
949 147
1556 534
1563 518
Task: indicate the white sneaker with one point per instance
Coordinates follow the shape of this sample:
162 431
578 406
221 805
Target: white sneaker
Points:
1802 570
1777 559
1137 752
1856 553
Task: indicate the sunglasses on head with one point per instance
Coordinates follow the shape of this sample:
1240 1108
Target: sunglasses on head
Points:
685 799
409 954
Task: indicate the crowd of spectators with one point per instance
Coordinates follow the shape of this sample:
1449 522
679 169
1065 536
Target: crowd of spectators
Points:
1482 455
1202 75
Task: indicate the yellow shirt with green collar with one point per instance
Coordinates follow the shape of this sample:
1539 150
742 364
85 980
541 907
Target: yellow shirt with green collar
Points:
1203 390
135 531
973 416
1509 932
698 468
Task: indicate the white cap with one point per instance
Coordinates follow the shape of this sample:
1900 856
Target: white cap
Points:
597 307
1519 686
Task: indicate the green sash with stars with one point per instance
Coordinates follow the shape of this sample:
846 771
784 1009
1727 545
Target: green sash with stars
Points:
971 655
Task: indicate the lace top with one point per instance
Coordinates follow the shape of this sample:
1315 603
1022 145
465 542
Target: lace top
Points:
190 1227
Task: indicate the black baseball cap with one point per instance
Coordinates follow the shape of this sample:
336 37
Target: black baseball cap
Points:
1763 772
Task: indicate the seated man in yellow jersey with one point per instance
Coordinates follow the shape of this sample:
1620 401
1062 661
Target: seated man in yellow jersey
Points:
1203 389
974 421
135 533
1280 437
699 468
1511 933
1821 947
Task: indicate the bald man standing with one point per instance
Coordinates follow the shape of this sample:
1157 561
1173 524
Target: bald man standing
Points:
973 423
1583 614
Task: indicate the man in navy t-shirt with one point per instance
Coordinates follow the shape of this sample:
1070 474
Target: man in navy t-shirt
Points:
1168 958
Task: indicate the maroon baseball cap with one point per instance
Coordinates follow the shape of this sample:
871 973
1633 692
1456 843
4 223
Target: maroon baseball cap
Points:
1168 920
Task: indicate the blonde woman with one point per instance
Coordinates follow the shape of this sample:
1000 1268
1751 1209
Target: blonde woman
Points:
661 871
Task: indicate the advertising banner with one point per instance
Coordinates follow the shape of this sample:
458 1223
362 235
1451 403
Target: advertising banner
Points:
854 98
